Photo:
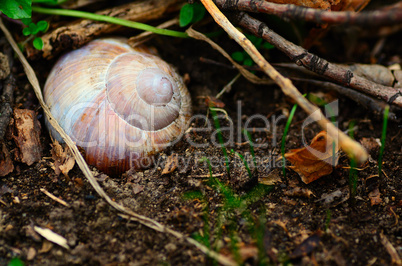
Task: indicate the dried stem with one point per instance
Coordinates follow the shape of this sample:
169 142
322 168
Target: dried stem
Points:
351 147
387 16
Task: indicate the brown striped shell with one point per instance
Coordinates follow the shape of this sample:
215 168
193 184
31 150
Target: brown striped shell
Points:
121 105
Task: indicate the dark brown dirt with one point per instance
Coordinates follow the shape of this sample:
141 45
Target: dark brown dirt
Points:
345 231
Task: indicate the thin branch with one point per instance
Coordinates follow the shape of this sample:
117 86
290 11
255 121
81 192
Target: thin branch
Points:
148 222
372 104
318 65
389 15
351 147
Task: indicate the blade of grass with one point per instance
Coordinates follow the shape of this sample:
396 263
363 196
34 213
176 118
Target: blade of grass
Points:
244 162
248 136
285 133
220 139
352 171
383 136
118 21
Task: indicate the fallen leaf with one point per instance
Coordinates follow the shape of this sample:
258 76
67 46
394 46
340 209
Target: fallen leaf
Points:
171 164
271 179
375 197
63 159
6 164
26 136
316 160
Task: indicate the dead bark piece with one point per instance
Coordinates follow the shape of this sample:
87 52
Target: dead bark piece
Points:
26 136
80 32
6 101
6 164
4 67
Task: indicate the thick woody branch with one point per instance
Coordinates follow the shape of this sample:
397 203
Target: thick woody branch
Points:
318 65
387 16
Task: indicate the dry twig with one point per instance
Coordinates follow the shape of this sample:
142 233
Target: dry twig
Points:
389 15
351 147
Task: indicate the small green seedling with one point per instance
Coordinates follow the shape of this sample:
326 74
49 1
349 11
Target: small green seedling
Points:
285 133
32 29
383 136
220 139
191 13
353 170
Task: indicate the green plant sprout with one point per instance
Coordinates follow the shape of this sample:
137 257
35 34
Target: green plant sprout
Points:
220 139
353 170
244 162
232 204
285 133
248 136
31 30
191 13
383 136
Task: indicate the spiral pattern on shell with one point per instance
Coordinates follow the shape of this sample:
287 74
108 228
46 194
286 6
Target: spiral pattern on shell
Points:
121 105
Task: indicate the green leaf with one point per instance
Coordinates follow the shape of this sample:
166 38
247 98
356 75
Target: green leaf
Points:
26 31
199 12
16 9
42 26
191 13
186 15
267 45
15 262
38 43
33 28
238 56
248 62
26 21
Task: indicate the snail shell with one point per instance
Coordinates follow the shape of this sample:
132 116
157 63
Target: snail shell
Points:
121 105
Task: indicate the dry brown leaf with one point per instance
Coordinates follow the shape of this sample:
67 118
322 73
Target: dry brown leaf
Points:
26 136
316 160
171 164
63 159
375 197
271 179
